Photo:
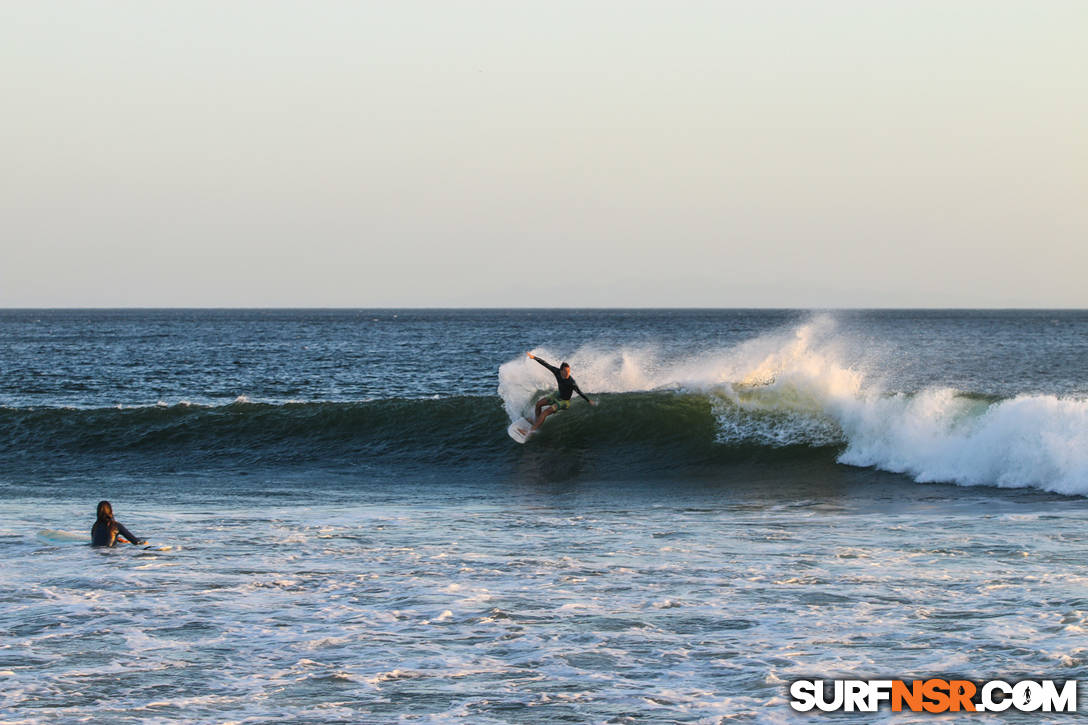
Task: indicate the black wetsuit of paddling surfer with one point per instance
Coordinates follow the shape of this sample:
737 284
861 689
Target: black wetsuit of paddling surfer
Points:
567 387
105 534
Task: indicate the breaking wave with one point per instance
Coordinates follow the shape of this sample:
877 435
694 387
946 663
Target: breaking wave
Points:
808 386
798 393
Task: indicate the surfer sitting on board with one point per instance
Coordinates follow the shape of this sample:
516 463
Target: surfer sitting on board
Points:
560 400
106 529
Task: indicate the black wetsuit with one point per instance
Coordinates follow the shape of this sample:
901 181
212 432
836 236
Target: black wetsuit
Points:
103 534
567 386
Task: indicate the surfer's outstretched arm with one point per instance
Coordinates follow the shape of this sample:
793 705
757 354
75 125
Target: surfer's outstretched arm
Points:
128 535
543 362
584 396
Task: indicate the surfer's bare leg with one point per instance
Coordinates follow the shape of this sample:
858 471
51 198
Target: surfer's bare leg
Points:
539 404
543 416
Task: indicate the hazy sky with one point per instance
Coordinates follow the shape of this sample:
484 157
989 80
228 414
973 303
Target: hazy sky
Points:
407 153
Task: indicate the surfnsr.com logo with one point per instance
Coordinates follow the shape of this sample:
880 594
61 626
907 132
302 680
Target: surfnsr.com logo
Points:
934 695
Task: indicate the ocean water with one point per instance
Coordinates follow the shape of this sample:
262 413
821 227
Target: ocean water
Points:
342 531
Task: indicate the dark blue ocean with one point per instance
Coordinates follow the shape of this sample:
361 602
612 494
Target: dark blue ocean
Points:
342 531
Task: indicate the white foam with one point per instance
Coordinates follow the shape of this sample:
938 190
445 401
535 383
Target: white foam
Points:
579 600
1031 440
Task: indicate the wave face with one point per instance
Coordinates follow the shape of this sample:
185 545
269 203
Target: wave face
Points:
807 392
642 432
245 434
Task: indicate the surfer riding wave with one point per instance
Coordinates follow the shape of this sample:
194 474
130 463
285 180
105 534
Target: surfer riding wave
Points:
560 400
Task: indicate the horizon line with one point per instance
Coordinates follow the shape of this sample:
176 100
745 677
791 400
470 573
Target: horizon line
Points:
90 308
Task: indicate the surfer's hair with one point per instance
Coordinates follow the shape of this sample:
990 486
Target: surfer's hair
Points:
105 520
105 511
564 365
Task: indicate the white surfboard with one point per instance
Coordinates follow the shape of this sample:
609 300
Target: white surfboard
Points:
520 430
56 536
